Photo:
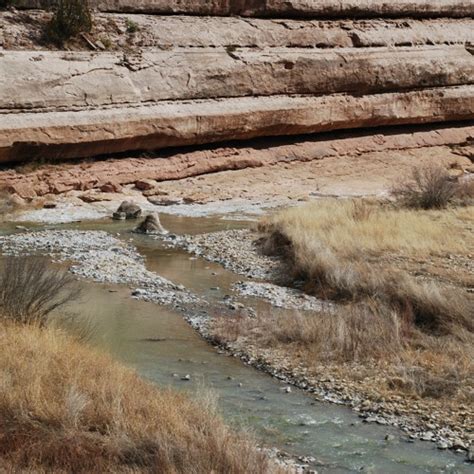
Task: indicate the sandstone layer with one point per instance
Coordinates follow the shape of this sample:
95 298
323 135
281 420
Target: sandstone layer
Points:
24 30
72 80
281 8
198 80
56 135
111 174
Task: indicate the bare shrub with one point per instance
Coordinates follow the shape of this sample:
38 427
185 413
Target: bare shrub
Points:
429 188
30 291
70 18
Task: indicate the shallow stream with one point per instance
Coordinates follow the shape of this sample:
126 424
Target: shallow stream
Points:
164 348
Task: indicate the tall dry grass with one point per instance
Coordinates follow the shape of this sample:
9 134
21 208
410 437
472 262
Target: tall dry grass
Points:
417 330
364 334
340 248
67 408
30 290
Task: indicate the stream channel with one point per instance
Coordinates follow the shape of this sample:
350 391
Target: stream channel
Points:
162 347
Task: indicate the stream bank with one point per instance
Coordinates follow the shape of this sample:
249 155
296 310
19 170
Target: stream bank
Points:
208 282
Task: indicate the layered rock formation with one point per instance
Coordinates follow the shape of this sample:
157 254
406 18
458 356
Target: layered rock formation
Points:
145 172
281 8
198 80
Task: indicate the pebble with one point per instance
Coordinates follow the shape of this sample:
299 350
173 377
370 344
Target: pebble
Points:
281 296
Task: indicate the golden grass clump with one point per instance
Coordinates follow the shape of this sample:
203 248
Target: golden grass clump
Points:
349 250
351 229
401 307
67 408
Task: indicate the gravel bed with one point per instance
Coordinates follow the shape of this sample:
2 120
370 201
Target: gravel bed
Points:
99 256
281 296
234 249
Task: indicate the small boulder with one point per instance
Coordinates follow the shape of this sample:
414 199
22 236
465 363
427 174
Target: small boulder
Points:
130 209
151 225
164 201
111 187
145 184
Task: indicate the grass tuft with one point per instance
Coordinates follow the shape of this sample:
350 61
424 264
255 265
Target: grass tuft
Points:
67 408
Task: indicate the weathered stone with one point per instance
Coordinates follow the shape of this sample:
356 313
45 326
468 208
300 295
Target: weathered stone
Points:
199 162
145 184
130 209
92 80
151 225
281 8
94 197
111 187
23 190
95 132
177 31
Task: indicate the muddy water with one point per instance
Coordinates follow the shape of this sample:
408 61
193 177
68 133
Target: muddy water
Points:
163 347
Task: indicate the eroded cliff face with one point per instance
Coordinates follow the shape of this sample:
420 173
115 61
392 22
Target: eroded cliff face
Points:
281 8
192 80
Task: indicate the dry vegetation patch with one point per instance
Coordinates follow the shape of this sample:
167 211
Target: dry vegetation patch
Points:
65 407
413 328
348 250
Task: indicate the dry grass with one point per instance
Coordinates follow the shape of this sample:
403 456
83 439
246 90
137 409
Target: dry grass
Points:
66 408
409 361
354 333
416 330
341 247
348 228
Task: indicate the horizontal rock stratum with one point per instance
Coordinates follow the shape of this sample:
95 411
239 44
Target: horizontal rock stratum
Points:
71 80
197 80
85 133
282 8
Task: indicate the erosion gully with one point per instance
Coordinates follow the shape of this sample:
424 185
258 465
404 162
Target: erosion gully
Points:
162 347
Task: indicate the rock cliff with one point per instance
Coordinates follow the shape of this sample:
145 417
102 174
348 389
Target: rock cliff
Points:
191 80
281 8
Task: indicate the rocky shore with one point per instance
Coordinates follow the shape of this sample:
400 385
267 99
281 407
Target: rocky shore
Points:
425 419
233 249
